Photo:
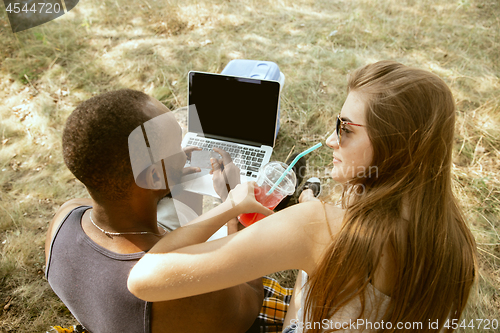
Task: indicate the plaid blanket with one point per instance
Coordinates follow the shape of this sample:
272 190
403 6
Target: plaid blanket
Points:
273 311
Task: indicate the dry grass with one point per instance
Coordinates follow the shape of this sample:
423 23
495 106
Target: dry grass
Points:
150 45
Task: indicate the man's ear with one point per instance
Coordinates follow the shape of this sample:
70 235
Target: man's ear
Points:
154 179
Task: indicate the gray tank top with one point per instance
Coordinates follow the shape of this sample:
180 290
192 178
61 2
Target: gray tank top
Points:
92 281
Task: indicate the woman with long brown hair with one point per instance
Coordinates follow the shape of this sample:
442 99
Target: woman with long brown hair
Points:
396 256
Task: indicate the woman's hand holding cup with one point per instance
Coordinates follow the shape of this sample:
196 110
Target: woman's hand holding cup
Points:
242 197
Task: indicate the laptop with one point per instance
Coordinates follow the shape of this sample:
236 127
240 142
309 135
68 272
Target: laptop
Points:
236 114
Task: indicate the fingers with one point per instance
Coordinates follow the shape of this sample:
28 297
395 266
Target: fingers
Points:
226 158
247 188
263 210
189 170
307 195
250 186
219 179
259 208
189 150
216 166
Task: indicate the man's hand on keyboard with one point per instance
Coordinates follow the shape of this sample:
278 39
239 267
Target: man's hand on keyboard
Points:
188 150
226 175
189 170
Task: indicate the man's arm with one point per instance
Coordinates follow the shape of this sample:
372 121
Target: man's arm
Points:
67 207
251 298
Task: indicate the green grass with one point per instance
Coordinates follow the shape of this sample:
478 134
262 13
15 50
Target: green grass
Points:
151 45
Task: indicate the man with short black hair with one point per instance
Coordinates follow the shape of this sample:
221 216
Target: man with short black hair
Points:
93 243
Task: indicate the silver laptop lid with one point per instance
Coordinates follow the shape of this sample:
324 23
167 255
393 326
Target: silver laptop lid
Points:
237 109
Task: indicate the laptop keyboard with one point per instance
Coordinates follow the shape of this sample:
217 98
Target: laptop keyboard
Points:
247 159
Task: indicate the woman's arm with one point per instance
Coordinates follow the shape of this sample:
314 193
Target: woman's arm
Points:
295 302
239 201
292 238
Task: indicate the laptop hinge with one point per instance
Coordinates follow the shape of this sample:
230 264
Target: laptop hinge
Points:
234 140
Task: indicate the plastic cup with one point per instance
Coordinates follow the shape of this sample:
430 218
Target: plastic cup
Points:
268 175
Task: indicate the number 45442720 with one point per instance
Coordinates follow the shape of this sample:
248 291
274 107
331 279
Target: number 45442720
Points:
485 324
47 8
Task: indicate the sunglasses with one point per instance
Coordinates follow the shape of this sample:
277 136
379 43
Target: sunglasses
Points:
340 125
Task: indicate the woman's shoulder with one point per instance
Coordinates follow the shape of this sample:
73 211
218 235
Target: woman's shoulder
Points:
315 211
322 211
318 221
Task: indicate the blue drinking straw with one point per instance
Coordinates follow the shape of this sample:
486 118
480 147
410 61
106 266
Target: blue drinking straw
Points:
316 146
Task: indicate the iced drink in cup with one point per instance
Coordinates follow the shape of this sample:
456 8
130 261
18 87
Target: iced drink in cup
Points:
268 175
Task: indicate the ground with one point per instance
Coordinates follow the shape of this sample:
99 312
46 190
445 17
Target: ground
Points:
151 45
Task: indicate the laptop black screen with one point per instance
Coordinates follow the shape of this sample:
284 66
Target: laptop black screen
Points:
244 110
